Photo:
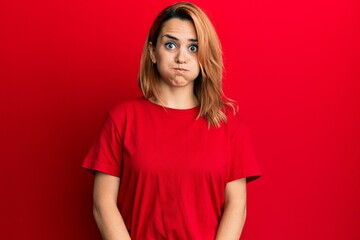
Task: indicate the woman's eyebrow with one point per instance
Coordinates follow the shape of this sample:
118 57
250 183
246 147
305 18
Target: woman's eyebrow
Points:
174 38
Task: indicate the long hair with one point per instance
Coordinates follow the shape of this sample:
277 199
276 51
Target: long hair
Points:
208 85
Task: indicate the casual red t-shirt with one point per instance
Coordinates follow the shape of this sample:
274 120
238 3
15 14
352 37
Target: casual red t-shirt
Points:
173 168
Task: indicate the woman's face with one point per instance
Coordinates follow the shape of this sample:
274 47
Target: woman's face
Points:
176 53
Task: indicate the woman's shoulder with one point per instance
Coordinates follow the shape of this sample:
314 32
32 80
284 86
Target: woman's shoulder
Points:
233 114
126 109
236 123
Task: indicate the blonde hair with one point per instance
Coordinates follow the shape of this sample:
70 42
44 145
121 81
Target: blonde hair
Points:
208 85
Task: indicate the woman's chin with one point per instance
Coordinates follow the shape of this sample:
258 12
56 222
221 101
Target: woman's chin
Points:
179 82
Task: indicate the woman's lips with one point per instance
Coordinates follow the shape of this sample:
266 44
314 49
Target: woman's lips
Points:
180 69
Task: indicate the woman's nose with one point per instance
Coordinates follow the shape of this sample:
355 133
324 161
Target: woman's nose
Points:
181 56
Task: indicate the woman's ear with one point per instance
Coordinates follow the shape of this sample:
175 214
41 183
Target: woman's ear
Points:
152 52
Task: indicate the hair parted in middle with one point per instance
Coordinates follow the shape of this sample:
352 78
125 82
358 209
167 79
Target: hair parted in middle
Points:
208 85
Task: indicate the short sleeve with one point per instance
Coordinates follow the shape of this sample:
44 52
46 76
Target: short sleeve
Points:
244 163
105 155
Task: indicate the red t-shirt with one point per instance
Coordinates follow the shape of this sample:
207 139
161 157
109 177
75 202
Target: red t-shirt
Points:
173 168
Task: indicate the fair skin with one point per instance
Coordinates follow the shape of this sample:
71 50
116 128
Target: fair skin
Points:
106 212
233 218
175 56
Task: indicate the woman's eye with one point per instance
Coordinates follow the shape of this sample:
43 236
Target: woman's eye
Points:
193 48
170 45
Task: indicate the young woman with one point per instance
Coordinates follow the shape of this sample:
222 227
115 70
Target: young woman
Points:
173 164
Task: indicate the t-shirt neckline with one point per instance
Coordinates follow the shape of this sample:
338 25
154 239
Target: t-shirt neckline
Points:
173 111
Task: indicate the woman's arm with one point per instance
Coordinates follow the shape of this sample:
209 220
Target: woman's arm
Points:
234 214
106 212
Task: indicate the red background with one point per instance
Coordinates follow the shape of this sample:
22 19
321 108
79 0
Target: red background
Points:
292 66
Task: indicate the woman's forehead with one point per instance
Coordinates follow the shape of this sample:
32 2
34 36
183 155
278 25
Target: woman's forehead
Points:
179 29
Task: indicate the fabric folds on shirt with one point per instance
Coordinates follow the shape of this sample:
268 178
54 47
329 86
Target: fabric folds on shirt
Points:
173 169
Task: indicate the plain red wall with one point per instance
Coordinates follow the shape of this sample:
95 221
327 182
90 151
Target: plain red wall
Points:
292 66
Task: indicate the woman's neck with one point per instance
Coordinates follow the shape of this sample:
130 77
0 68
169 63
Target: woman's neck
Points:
176 97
